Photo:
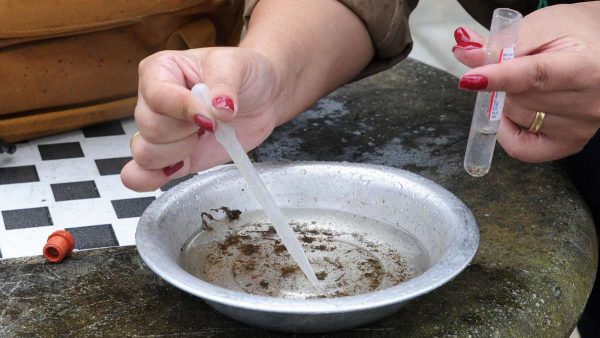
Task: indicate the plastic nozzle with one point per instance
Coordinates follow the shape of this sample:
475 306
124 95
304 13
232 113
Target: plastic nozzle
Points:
60 245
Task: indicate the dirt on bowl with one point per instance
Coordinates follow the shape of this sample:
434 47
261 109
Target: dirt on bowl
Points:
239 252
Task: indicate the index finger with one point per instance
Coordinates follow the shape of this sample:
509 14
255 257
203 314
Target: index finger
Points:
164 80
545 72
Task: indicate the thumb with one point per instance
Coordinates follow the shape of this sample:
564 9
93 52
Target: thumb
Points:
222 74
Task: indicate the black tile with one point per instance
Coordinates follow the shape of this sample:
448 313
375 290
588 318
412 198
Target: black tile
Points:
74 190
104 129
26 218
133 207
59 151
175 182
111 166
24 174
94 236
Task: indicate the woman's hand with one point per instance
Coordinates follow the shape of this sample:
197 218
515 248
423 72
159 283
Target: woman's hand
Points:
294 53
175 129
557 71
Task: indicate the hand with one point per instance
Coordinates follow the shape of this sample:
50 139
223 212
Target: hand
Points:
557 71
294 53
175 137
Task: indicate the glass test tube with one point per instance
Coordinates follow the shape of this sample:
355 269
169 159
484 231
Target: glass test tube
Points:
488 107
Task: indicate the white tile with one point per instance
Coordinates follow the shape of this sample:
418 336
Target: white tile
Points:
106 147
429 11
75 213
125 230
432 26
129 126
24 242
67 170
433 45
91 211
25 195
447 11
71 136
26 154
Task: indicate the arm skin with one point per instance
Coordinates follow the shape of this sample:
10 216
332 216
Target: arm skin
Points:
309 43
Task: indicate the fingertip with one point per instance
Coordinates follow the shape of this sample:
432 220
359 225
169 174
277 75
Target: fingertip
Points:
470 56
200 112
211 104
224 102
461 35
204 123
473 82
466 34
194 106
224 107
469 48
126 178
141 180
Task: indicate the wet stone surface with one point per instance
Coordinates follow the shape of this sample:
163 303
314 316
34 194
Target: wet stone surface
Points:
531 276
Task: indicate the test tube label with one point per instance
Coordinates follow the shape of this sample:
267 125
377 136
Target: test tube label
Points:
497 99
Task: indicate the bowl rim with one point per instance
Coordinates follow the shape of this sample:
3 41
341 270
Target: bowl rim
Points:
447 268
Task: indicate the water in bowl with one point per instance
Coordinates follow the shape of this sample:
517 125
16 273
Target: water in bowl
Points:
226 136
350 254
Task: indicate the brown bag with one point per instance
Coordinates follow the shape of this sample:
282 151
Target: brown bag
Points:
71 63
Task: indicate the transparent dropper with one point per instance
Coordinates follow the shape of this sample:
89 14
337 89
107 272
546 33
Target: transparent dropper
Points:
488 107
225 135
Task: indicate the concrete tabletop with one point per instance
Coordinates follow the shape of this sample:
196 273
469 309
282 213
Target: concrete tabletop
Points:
531 276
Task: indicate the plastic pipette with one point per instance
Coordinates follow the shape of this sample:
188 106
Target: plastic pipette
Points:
225 135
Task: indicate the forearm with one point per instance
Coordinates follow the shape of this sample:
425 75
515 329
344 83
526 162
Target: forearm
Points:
314 45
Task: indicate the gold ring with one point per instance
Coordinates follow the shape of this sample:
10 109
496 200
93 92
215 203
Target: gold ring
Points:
537 122
133 137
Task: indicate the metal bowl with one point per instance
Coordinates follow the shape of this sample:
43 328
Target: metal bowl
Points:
403 206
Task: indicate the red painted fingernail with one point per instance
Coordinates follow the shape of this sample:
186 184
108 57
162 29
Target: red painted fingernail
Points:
473 82
467 46
170 170
204 122
223 101
461 35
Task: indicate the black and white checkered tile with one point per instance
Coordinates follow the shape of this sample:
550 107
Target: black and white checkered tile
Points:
70 181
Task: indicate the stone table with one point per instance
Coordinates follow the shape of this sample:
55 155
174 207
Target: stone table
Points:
531 276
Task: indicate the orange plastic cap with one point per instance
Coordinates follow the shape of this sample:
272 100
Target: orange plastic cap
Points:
60 244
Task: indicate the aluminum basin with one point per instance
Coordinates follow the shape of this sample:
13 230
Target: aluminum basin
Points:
404 205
